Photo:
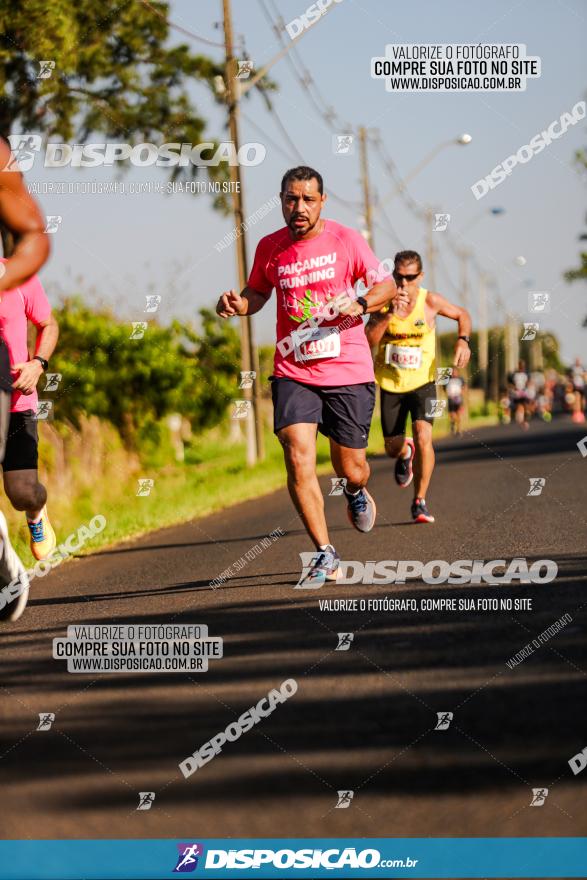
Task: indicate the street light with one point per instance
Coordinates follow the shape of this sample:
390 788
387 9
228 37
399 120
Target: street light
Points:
495 212
461 140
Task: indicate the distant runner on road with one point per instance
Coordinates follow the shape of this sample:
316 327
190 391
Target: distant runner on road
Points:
455 388
323 372
519 381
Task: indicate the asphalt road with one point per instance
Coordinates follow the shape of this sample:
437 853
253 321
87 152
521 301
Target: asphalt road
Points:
362 719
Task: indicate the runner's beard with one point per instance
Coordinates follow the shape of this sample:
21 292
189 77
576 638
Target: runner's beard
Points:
297 231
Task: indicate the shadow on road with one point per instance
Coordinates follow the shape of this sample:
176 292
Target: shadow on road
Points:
354 712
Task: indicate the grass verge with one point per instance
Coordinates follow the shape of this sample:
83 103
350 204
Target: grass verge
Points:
214 476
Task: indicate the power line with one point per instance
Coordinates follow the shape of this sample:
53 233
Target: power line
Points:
390 227
353 206
178 27
306 80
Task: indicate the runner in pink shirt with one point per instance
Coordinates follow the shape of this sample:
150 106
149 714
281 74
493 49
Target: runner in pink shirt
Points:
323 371
27 302
21 216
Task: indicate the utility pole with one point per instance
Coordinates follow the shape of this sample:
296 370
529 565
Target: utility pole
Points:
512 344
483 335
366 186
464 255
430 250
249 354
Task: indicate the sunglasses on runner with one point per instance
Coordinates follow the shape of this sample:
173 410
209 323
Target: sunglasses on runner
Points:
405 277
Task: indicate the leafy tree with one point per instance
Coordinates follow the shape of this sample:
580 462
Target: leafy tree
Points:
580 273
114 73
134 383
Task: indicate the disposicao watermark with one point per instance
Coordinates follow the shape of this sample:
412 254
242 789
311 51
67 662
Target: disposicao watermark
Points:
85 533
235 730
437 571
536 144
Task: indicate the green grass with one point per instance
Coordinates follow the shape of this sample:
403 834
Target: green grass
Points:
214 476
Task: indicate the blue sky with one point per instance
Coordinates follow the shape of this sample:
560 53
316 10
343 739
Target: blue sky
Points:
125 246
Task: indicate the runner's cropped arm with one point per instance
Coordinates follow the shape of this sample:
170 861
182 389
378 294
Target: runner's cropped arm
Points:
449 310
20 213
48 334
255 300
375 328
381 294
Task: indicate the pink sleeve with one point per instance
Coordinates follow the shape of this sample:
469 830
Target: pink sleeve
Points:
366 266
36 305
258 279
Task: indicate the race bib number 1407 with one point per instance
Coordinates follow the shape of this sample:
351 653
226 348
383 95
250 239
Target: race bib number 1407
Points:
315 343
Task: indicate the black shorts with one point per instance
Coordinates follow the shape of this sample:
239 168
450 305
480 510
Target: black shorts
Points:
395 408
455 404
342 412
23 442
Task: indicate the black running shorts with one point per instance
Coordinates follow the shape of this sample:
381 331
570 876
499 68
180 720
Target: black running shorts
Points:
22 442
342 412
395 408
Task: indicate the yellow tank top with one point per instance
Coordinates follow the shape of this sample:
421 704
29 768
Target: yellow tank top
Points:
406 358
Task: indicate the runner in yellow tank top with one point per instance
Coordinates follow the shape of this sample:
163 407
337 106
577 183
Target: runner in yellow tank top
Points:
405 369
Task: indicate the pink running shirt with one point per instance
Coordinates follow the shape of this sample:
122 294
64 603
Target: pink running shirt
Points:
28 300
306 275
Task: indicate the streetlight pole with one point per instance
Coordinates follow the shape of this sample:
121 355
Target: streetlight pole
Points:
430 249
483 335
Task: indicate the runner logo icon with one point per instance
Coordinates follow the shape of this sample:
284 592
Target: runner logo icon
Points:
344 641
539 795
338 485
46 719
187 860
441 222
344 800
537 484
146 800
530 331
444 719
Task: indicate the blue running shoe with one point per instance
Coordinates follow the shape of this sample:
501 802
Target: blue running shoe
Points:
361 510
403 467
324 567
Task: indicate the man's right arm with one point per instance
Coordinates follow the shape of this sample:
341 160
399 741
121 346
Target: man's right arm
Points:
375 328
20 213
249 302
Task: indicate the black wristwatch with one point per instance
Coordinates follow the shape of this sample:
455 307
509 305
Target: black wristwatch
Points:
467 340
42 361
363 302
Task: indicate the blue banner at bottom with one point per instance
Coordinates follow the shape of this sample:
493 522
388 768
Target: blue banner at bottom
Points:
414 857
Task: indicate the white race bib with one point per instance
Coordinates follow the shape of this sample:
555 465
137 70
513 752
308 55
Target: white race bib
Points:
406 357
315 343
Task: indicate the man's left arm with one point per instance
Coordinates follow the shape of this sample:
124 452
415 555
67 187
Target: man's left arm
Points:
441 306
22 215
30 372
365 266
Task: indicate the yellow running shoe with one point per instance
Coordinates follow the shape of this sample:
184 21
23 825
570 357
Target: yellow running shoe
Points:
43 540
